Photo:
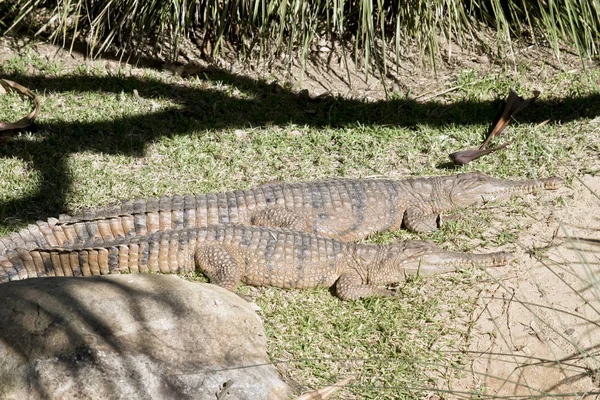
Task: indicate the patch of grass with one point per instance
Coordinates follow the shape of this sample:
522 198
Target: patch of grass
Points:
391 345
96 142
18 179
13 106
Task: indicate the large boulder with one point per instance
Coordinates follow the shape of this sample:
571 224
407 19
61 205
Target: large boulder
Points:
131 337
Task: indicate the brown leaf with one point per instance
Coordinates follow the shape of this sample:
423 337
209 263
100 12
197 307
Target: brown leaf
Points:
514 104
464 157
8 129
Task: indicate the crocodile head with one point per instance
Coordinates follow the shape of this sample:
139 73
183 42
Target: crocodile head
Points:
476 187
418 258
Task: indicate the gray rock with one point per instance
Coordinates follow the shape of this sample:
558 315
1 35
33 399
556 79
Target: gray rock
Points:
131 337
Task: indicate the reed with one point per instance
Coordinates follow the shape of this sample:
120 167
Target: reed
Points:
265 28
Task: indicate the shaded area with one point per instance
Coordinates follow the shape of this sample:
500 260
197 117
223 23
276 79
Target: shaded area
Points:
128 336
201 108
34 344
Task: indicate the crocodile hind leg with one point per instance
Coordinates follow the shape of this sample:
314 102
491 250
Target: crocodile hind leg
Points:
350 287
220 265
417 221
280 218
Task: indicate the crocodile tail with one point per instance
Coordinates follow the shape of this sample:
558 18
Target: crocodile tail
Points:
176 212
110 211
142 217
163 252
40 234
130 219
48 234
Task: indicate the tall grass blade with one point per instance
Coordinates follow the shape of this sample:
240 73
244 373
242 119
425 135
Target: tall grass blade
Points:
293 26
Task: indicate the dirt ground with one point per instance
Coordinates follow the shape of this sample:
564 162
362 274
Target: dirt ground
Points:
537 330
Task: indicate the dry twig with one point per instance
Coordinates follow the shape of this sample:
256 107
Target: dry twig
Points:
8 129
325 392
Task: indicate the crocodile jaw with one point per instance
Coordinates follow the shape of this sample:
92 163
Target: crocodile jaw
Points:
476 188
417 258
448 261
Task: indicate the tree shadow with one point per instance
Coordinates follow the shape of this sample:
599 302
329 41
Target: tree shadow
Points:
200 108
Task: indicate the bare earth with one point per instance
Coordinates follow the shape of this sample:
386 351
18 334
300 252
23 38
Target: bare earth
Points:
534 325
537 328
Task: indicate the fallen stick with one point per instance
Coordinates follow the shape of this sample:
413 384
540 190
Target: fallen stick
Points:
325 392
8 129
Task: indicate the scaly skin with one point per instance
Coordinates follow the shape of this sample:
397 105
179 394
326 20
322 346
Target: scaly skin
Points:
347 209
230 254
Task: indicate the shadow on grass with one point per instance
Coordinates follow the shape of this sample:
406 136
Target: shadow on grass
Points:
201 108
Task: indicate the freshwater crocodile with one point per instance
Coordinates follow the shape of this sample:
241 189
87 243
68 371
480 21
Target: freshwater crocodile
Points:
347 209
229 254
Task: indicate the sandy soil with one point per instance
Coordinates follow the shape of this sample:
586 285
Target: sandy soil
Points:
537 330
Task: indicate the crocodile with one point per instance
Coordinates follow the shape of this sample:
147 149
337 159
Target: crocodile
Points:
347 209
229 254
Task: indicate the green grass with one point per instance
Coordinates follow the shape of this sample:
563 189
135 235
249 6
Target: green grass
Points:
95 142
391 349
13 107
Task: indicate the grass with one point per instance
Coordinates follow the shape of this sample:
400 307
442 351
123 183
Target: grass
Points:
288 29
96 142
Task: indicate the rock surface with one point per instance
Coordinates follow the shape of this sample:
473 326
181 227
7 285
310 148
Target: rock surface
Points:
133 337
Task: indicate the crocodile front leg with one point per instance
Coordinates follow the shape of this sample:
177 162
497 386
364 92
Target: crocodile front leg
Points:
418 221
276 217
350 287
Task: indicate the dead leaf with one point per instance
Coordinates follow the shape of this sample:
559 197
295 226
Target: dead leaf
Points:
514 104
8 129
464 157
